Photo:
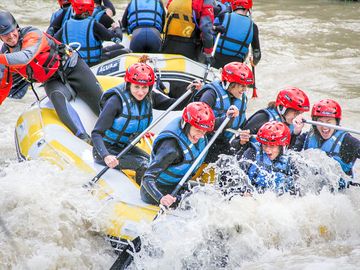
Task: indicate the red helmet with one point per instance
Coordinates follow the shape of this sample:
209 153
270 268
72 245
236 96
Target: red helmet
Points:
140 73
63 2
327 108
238 73
83 6
236 4
274 133
293 98
199 115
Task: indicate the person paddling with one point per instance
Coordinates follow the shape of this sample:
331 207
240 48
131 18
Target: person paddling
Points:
221 95
265 161
290 104
84 29
174 151
339 145
126 111
40 58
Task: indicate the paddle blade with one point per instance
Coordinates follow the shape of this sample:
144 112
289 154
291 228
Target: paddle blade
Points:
125 258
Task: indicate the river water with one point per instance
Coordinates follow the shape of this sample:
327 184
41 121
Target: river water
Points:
49 222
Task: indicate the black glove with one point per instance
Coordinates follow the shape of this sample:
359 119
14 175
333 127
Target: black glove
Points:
219 29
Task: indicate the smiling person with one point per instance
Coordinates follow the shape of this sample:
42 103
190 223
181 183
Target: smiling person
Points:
337 144
39 58
223 95
288 108
126 111
174 151
265 161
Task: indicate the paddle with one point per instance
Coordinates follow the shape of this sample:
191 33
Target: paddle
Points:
125 258
138 138
331 126
254 95
212 55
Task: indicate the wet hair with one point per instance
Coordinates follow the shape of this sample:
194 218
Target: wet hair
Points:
271 104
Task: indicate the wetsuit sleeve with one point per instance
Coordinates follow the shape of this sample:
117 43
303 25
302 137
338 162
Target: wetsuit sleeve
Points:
166 153
124 21
163 17
58 35
209 97
106 118
255 122
206 24
163 102
255 45
102 33
299 143
247 159
55 26
350 149
106 20
34 42
108 4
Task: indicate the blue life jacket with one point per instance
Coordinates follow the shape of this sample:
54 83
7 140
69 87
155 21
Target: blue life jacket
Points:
174 173
331 147
237 37
66 17
275 116
82 31
133 120
266 173
223 103
98 12
145 13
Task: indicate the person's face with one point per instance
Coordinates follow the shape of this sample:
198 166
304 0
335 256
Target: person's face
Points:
290 115
139 92
326 132
11 39
195 134
237 90
273 151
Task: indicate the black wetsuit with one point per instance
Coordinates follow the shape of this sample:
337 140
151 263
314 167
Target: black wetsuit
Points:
101 33
136 159
349 150
221 144
253 124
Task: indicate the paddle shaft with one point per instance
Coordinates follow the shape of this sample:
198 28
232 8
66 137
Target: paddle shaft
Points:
212 55
199 158
138 138
331 126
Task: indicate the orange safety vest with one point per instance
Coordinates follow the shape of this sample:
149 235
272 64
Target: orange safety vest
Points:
45 64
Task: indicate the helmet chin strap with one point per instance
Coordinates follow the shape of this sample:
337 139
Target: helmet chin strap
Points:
282 110
225 85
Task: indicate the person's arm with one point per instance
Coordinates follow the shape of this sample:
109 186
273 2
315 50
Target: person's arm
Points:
124 20
255 121
106 20
299 142
108 4
163 102
163 17
247 159
56 24
166 153
102 33
106 118
255 45
206 24
58 35
350 149
33 43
